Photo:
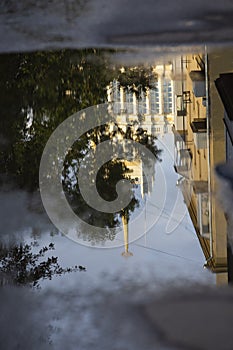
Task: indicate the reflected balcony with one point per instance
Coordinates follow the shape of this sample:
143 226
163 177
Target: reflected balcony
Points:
182 162
199 128
200 189
181 103
198 81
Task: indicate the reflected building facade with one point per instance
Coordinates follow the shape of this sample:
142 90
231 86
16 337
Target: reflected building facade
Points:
153 110
185 101
199 146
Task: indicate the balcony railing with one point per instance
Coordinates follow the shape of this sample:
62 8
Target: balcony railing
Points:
199 129
198 79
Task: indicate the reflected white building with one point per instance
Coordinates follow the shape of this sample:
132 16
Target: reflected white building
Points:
153 110
140 171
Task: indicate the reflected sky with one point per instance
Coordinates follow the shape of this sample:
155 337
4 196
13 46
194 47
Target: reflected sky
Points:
176 251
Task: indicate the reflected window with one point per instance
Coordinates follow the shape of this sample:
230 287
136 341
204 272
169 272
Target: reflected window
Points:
154 99
116 95
142 108
167 96
203 214
129 100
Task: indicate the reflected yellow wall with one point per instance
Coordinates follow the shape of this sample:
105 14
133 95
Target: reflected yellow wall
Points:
221 279
204 160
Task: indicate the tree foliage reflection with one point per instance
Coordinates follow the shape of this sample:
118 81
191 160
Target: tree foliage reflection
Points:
20 265
108 176
40 90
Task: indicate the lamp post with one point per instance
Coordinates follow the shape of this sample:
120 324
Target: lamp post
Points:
125 221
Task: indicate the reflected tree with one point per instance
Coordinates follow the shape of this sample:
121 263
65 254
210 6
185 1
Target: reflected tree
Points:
107 177
40 90
21 266
137 79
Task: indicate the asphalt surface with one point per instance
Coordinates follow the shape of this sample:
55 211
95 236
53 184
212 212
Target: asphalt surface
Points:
31 24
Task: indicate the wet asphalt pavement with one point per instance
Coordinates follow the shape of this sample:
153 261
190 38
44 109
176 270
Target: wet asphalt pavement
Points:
31 24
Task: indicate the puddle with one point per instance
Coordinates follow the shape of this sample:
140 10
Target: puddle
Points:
109 195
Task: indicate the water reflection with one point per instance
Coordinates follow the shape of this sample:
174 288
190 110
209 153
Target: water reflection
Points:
147 103
172 108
